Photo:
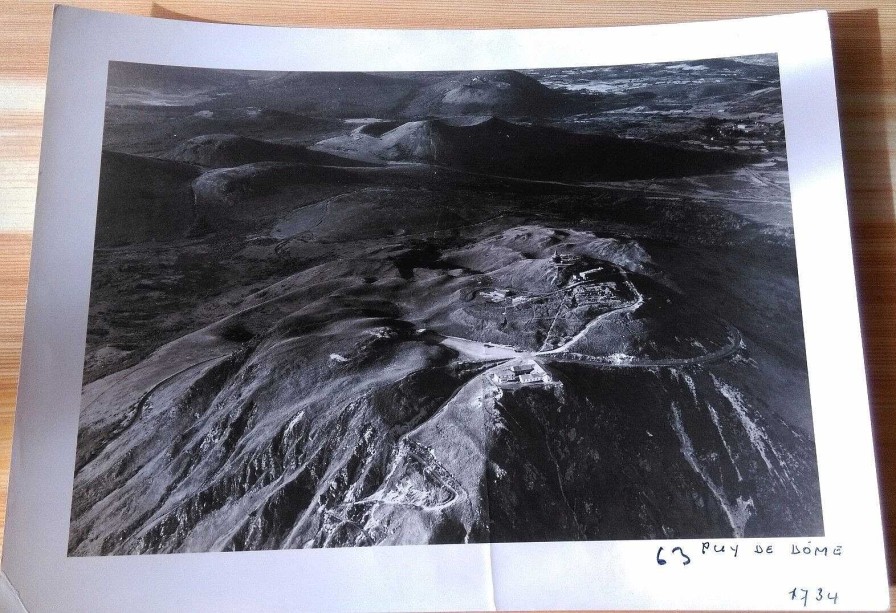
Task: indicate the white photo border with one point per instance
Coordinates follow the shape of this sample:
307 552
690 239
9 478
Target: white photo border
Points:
560 575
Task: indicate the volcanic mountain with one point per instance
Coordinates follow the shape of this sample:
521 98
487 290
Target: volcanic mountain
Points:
506 93
229 150
405 95
413 94
320 412
497 147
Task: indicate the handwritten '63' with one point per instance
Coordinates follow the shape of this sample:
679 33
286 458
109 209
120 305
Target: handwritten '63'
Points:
677 554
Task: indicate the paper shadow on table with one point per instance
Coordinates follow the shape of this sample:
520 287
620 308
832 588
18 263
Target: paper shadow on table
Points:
160 12
353 309
863 115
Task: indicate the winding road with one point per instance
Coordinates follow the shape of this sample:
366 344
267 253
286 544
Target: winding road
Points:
506 356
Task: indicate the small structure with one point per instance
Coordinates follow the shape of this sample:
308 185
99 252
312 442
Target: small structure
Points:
587 275
526 373
563 259
505 377
498 295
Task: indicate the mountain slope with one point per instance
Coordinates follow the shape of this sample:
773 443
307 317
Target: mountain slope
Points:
228 150
497 147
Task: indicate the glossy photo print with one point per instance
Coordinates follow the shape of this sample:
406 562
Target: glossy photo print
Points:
342 309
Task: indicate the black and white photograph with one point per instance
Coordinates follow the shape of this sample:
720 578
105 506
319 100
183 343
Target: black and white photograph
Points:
344 309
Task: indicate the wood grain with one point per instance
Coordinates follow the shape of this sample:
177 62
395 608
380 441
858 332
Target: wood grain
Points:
865 55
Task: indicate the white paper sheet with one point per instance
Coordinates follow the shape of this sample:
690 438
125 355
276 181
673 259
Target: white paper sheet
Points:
844 568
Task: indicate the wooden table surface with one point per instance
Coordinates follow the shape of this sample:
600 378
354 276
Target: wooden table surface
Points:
864 51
